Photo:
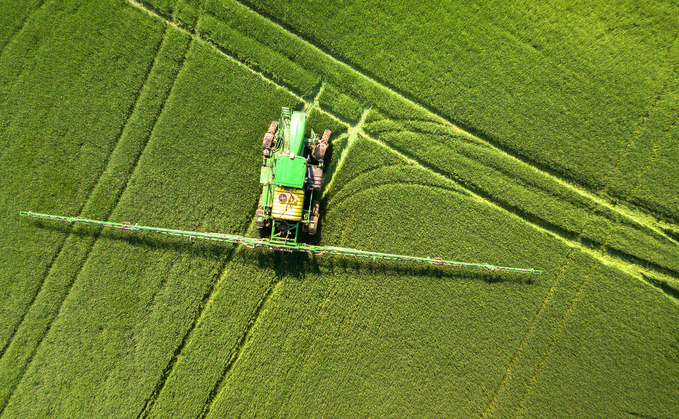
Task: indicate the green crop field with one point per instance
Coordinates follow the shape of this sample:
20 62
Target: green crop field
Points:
516 133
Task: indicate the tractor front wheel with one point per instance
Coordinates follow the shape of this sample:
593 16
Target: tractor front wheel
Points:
269 139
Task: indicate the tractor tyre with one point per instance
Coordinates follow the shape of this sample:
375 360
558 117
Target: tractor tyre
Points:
315 216
273 127
267 142
320 151
269 139
326 136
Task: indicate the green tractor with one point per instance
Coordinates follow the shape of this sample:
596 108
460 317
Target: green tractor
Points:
291 183
291 174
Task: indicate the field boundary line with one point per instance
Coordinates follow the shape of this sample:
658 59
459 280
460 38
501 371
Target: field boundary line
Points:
23 26
237 349
130 112
451 122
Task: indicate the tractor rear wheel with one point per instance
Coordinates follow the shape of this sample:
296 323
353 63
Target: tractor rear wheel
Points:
322 146
269 137
326 136
273 127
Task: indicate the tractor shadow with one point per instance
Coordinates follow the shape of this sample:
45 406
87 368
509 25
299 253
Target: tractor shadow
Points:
295 265
367 267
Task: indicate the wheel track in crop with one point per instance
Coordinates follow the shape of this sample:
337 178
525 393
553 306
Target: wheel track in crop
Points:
342 199
661 138
647 113
554 338
457 125
48 269
150 401
573 240
586 278
83 207
611 258
240 344
598 200
23 26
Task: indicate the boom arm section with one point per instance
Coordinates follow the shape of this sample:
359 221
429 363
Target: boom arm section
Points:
311 250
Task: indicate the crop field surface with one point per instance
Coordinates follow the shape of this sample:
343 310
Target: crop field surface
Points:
510 133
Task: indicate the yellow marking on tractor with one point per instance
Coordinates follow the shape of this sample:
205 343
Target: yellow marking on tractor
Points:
288 203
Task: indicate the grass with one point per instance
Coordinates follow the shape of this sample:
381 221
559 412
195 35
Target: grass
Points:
513 73
513 134
50 140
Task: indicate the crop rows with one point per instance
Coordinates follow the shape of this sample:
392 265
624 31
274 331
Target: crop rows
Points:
534 205
102 323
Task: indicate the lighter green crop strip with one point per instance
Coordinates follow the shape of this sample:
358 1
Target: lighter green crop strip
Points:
313 103
634 215
633 270
198 37
562 324
352 133
23 26
50 317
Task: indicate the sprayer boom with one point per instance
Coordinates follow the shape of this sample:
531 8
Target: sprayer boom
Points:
282 245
